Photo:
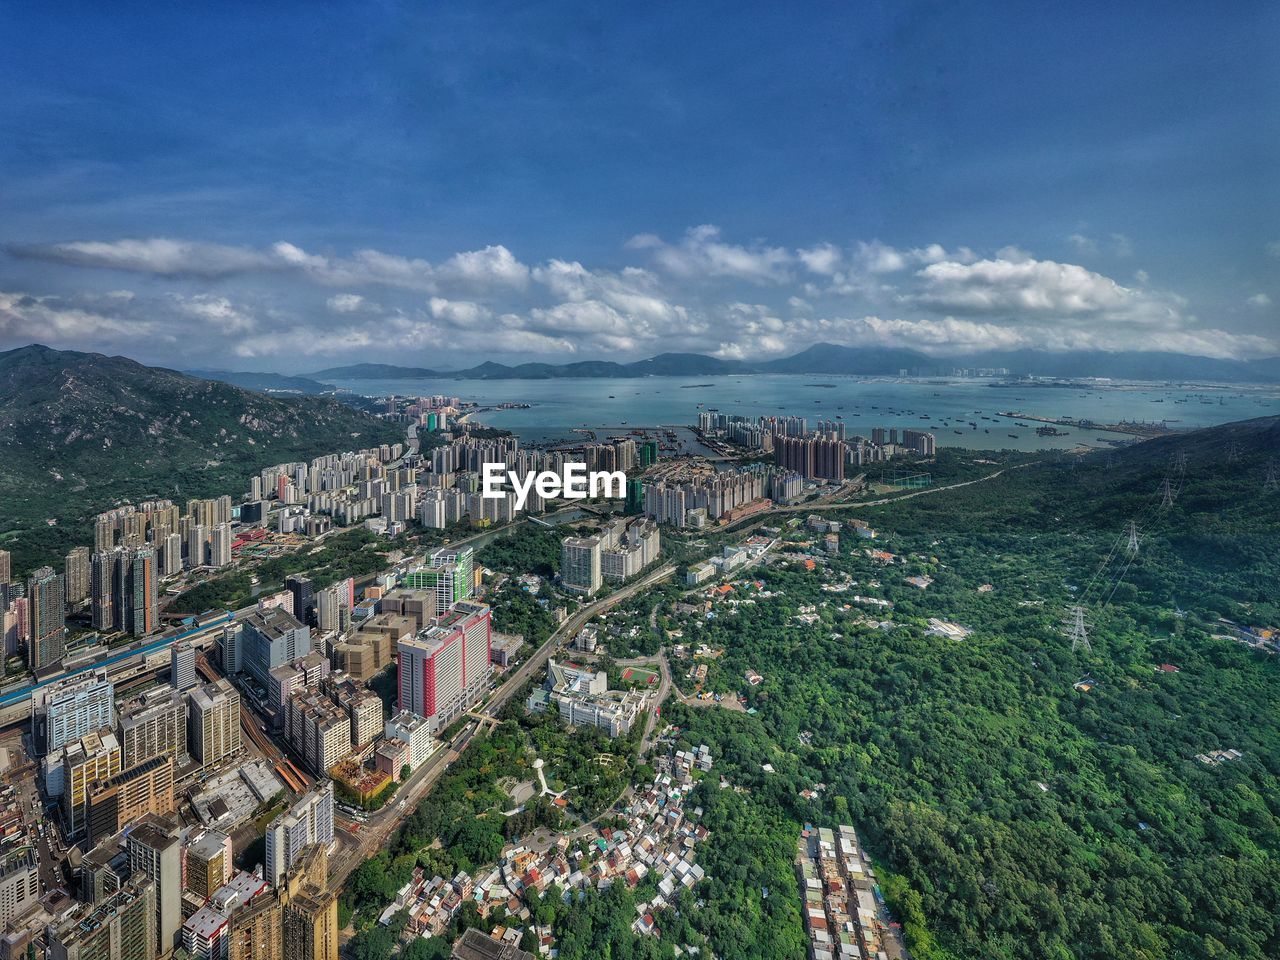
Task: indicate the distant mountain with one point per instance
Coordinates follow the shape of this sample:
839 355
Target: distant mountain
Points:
264 382
378 371
863 361
1128 365
80 432
835 360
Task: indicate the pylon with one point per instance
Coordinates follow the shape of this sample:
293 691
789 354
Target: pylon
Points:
1133 538
1166 494
1180 461
1272 483
1233 452
1075 627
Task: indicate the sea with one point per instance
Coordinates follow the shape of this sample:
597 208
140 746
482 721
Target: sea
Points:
959 412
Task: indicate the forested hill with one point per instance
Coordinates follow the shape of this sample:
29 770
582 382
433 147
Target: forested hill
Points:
1026 800
80 432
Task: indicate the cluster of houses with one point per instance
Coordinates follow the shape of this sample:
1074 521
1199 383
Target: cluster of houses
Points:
658 837
843 915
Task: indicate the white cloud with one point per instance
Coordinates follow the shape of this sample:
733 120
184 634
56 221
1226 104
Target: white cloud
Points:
877 257
824 259
345 302
458 313
157 255
218 312
702 293
702 254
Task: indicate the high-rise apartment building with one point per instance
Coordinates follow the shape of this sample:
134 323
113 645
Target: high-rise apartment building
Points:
6 567
76 572
102 589
124 588
214 722
47 609
580 570
220 540
309 822
138 594
195 549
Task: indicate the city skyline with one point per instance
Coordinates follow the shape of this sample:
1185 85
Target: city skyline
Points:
558 185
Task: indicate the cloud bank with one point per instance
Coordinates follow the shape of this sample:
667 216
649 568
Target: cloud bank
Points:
281 304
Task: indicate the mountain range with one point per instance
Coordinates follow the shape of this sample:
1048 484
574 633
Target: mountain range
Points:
81 432
829 358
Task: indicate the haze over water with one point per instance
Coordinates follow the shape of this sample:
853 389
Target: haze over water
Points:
941 406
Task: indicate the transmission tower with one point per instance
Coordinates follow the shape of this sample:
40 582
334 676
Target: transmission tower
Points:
1075 628
1233 452
1133 538
1272 483
1166 494
1180 461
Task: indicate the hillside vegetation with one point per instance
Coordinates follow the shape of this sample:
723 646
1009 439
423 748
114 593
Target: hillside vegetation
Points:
82 432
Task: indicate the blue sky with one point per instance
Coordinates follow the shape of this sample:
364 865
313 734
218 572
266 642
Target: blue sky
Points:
288 186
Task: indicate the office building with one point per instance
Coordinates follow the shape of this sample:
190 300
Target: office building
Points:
207 862
121 927
580 570
155 851
182 665
272 638
47 610
256 930
68 709
214 722
118 801
414 732
155 726
309 822
310 911
232 924
76 572
19 883
319 731
449 575
91 759
303 597
362 706
444 668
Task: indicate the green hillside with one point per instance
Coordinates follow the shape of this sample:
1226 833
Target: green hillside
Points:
82 432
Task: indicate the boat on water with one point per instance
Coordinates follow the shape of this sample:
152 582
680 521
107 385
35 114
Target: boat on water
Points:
1014 435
